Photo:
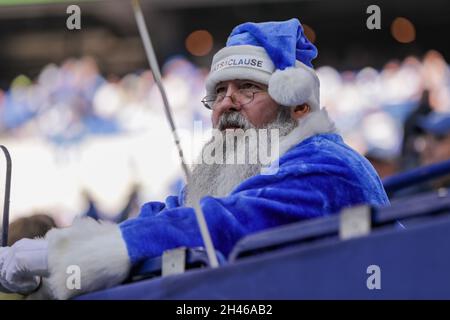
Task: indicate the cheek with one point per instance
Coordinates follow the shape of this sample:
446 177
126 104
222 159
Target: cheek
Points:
214 118
260 115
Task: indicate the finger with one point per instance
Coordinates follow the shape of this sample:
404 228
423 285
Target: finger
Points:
23 285
11 271
26 284
4 288
2 267
8 265
4 252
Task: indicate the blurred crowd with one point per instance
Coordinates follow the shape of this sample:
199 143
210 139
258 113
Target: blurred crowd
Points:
377 110
70 102
70 109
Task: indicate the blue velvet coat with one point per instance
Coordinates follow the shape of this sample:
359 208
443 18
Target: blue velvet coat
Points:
317 177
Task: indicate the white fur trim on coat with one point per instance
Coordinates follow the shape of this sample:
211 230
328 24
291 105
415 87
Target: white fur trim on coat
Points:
313 123
294 86
96 248
316 122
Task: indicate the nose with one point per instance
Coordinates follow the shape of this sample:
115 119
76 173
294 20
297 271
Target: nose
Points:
227 104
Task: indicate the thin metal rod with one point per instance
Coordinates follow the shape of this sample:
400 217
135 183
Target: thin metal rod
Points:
157 76
213 262
5 226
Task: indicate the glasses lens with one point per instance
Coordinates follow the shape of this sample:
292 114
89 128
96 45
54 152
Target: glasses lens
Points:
210 101
243 96
240 97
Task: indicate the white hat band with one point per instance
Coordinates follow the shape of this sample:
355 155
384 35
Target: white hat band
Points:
247 61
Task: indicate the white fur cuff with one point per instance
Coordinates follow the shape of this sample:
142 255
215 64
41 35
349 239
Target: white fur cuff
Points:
95 251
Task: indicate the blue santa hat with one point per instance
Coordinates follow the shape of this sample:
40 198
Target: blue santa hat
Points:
275 53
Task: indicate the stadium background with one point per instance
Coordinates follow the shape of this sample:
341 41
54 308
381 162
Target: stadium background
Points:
85 124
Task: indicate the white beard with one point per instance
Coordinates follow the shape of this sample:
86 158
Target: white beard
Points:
218 180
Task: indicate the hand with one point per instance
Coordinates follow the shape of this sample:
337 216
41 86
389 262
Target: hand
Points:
23 264
3 254
22 285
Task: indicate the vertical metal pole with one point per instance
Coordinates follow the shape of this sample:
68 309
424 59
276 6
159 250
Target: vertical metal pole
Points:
7 197
151 57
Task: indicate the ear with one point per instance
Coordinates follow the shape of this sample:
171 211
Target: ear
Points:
300 111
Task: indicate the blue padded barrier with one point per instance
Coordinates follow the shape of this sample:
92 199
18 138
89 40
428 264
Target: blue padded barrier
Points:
414 262
416 176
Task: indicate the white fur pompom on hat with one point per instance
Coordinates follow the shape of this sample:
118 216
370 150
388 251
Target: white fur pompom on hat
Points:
294 86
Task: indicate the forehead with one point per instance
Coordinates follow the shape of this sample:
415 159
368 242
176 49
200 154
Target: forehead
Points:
237 82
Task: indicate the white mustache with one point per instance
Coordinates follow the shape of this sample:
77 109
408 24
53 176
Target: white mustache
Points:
233 119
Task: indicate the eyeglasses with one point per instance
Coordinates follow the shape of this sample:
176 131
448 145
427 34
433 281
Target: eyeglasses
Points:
239 97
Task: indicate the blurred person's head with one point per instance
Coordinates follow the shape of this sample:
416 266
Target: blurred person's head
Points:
179 65
330 79
30 227
436 127
262 80
69 65
89 66
437 148
435 69
385 167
